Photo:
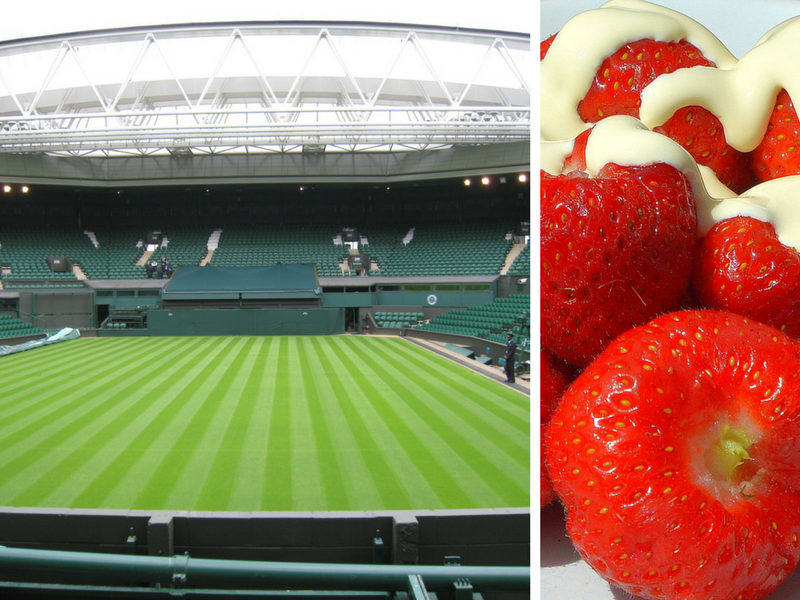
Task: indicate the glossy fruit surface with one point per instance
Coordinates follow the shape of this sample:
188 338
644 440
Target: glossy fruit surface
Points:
675 455
616 251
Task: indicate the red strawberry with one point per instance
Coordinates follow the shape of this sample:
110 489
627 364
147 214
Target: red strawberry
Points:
701 133
576 160
742 267
675 456
617 89
616 251
618 85
778 154
555 377
545 46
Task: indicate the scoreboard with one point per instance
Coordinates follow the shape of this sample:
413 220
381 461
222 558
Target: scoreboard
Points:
358 261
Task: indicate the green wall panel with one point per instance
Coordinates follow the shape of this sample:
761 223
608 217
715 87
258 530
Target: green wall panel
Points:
319 321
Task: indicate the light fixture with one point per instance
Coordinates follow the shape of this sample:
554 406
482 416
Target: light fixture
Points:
314 148
467 182
523 178
485 180
6 188
502 180
180 152
25 189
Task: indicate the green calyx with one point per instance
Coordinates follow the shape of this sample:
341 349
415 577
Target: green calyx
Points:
729 453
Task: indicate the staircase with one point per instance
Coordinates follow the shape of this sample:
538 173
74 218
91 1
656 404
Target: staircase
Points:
91 235
511 256
213 244
145 257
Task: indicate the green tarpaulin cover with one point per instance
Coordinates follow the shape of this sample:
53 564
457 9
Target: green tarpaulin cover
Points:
287 281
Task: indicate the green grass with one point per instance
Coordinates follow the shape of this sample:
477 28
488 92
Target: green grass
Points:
257 423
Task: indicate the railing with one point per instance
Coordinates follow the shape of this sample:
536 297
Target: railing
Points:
210 575
33 318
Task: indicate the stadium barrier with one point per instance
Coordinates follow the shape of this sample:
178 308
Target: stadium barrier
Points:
486 537
185 572
232 321
479 346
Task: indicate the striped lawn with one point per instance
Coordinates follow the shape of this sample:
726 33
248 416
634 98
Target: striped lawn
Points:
257 423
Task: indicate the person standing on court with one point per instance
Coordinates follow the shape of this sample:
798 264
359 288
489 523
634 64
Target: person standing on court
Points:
509 356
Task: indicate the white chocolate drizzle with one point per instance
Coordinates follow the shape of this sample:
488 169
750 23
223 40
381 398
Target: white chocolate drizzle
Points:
740 92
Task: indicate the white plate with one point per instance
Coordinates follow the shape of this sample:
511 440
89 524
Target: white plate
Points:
739 24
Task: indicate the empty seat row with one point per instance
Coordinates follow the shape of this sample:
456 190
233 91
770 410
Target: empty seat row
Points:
434 249
397 318
11 327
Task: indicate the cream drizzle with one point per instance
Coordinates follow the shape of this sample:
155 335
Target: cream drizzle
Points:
583 44
741 93
627 141
742 96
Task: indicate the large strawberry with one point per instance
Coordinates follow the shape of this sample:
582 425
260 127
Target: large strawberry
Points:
554 379
619 82
778 153
743 267
676 458
617 90
616 250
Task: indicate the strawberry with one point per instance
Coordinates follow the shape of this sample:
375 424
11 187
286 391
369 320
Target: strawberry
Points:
742 267
576 160
617 89
621 78
544 46
778 153
701 133
616 250
676 459
555 377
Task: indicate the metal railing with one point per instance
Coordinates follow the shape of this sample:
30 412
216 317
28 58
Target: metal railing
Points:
186 573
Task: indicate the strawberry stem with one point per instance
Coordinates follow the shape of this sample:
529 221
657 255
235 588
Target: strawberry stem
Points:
729 452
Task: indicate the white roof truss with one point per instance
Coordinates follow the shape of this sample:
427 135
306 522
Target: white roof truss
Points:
254 88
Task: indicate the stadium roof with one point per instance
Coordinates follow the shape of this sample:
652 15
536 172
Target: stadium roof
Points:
262 99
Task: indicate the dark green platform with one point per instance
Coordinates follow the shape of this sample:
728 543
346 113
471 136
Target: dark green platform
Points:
190 282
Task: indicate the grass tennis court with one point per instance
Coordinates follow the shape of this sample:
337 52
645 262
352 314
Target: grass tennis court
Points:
257 423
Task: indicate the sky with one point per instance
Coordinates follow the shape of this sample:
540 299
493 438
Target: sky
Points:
46 17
